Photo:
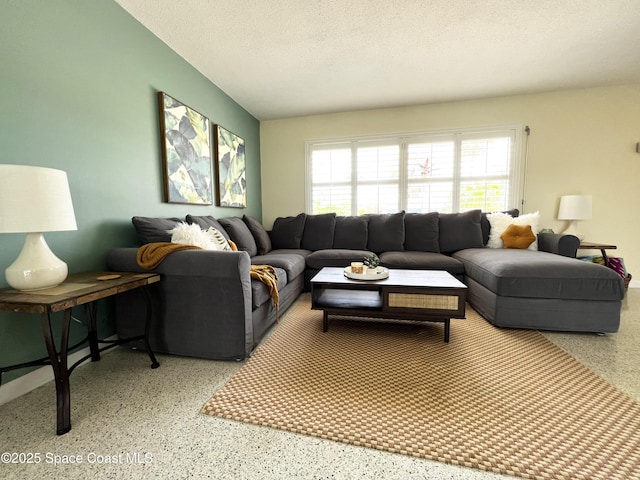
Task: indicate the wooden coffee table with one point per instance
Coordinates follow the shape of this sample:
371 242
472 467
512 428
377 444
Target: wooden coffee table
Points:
416 295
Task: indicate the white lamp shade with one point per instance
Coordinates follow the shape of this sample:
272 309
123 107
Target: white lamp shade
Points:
575 207
35 199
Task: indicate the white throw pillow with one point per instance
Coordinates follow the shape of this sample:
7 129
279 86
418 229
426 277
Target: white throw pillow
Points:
500 221
191 234
218 240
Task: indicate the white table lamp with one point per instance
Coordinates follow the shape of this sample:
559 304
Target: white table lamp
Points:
574 208
34 200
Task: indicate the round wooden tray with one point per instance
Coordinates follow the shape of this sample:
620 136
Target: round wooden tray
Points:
381 274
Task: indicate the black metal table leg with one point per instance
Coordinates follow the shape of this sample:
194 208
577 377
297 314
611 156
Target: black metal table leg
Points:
325 321
91 310
147 327
60 370
447 324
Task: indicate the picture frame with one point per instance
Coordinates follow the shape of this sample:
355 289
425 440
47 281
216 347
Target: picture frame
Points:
186 153
230 168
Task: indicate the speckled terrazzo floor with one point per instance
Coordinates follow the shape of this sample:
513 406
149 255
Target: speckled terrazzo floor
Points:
129 421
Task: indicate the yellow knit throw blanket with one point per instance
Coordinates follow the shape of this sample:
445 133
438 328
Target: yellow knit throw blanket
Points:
151 255
267 275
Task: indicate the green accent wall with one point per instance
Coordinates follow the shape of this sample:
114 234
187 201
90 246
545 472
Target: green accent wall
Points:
79 82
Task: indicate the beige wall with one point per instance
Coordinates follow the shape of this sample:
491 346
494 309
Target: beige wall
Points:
582 141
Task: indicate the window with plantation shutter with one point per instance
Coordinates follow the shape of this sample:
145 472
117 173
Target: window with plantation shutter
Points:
485 169
430 174
331 174
378 175
446 172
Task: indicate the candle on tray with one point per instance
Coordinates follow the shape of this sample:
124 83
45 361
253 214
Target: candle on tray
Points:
357 267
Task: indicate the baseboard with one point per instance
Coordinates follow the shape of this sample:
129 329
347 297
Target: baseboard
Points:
32 380
634 284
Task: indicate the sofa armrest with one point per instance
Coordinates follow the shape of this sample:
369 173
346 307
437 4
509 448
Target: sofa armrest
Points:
204 302
208 263
558 243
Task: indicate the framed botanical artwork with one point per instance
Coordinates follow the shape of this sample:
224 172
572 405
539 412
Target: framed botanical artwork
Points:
230 168
186 153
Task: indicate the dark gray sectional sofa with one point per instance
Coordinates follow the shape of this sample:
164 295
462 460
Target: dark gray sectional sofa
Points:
210 307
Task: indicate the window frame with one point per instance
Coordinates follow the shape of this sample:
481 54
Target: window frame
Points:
515 176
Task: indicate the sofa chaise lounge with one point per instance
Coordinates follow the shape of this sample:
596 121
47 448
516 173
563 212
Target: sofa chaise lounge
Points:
209 306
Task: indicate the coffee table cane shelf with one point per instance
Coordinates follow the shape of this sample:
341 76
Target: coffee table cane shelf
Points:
416 295
83 289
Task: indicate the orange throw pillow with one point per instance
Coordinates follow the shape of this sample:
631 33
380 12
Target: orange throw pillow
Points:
518 236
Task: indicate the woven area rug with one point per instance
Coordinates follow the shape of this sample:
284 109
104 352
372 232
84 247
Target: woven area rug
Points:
505 401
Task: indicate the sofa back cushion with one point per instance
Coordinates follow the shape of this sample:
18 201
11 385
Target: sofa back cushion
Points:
351 233
421 232
207 221
240 235
460 230
335 257
151 230
318 231
287 231
386 232
260 235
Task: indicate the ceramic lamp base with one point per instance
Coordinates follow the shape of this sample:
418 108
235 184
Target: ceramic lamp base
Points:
36 267
572 229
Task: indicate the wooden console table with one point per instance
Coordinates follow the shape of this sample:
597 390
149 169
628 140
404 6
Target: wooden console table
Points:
598 246
81 289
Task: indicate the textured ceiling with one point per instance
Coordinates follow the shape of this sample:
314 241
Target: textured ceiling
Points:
286 58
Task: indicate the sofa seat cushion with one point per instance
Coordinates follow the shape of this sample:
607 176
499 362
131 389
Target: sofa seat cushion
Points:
533 274
260 291
297 251
335 257
421 261
292 263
